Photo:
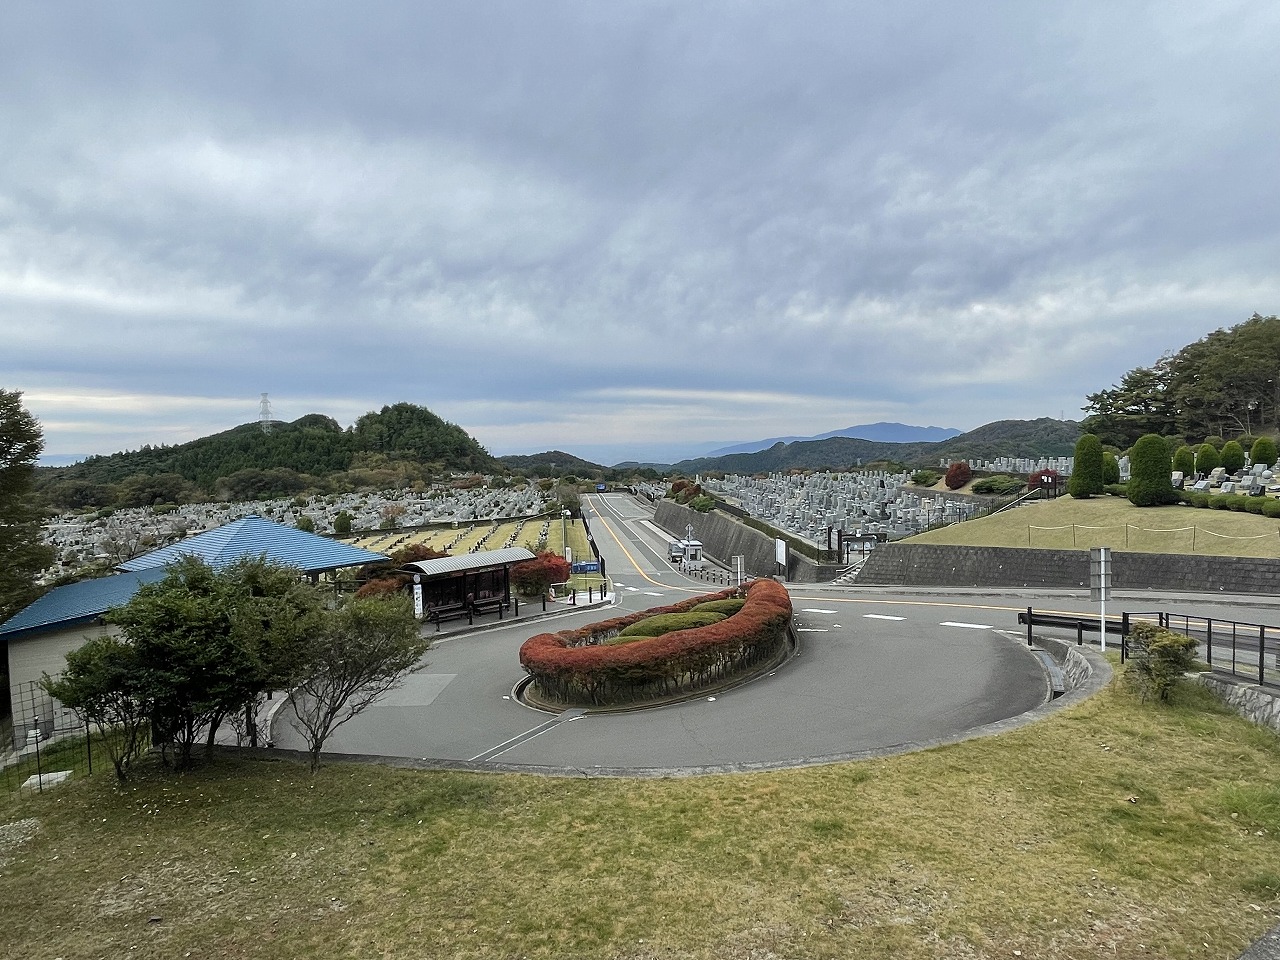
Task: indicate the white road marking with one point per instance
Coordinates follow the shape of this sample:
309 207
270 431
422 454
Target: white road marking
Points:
970 626
880 616
815 610
812 630
650 593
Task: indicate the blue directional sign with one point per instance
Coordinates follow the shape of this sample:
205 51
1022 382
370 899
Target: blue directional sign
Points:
586 566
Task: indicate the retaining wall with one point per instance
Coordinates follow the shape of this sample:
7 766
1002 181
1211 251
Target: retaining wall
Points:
935 565
723 538
1259 704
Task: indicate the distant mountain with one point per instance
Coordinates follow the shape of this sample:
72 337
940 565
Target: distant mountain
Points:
878 432
246 463
1004 438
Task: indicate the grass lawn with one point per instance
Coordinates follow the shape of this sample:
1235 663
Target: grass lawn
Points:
1066 523
1112 829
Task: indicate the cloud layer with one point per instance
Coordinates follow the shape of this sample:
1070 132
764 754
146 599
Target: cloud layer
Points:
626 230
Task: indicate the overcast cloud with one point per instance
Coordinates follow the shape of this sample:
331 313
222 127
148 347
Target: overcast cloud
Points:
624 230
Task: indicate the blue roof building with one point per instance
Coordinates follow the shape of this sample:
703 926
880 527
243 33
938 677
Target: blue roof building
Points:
253 537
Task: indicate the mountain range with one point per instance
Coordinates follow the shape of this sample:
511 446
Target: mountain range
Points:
879 432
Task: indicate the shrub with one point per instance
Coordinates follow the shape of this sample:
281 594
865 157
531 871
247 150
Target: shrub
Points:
958 474
1263 451
342 523
1086 475
1110 469
925 478
1150 483
534 577
1184 461
727 607
702 503
1232 457
306 524
581 665
1207 459
1157 658
1000 485
666 622
1116 489
1271 508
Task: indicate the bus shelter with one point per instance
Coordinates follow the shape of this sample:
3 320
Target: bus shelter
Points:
467 580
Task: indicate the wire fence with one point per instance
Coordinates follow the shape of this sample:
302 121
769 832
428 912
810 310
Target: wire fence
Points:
1127 536
47 745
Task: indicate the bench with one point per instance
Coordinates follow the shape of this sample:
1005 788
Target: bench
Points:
488 605
448 611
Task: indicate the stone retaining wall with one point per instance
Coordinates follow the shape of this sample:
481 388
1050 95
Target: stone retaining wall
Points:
934 565
1076 670
1259 704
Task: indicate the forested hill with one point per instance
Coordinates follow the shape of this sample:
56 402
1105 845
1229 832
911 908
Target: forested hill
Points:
245 462
1004 438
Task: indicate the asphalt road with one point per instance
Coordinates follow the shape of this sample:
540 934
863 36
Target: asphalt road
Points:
875 672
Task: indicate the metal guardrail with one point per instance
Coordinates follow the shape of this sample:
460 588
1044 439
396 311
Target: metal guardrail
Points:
1248 651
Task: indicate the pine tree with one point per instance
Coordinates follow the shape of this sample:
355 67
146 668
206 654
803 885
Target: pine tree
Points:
22 547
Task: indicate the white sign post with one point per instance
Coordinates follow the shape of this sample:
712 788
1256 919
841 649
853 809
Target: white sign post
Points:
1100 586
417 595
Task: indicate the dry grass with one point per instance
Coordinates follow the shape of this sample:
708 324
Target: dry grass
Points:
1113 829
1114 522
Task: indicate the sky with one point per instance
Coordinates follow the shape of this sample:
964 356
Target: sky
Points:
628 231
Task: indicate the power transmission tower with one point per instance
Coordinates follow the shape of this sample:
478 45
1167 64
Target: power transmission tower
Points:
264 414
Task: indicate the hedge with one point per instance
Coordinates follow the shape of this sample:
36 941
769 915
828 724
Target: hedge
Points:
666 622
581 666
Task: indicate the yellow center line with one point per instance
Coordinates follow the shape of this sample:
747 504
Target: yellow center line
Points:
634 564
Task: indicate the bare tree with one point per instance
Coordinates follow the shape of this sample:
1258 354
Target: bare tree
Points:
363 650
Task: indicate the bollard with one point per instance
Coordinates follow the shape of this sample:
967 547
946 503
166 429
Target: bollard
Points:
1079 633
591 594
1028 626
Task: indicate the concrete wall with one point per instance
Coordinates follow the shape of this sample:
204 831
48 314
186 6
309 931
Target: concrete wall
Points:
724 537
933 565
32 657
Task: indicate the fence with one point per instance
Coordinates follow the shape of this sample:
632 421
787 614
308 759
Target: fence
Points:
48 744
1250 651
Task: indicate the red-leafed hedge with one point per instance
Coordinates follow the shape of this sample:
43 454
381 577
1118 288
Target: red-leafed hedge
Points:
576 666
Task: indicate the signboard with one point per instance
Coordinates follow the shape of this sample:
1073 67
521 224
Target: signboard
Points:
417 595
601 487
586 566
780 551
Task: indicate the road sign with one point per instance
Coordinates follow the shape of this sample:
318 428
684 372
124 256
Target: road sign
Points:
592 566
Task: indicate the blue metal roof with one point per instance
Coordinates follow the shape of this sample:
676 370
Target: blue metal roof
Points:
254 537
78 602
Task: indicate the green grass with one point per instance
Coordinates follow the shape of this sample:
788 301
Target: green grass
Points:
1111 829
1066 523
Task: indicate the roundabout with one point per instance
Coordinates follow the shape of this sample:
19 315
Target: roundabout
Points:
872 674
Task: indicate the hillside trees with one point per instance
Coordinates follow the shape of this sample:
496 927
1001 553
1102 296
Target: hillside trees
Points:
23 554
1227 383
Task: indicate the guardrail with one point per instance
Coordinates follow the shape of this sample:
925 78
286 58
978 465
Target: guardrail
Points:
1248 651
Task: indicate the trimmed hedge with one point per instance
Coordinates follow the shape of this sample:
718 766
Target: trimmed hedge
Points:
727 607
666 622
582 666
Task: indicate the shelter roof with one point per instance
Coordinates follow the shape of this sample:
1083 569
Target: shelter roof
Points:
78 602
255 537
483 560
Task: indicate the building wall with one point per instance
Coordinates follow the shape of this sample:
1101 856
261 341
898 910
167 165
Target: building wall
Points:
30 658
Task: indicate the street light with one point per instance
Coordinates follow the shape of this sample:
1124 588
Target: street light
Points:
564 539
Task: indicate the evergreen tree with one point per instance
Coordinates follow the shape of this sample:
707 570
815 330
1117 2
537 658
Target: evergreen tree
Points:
1086 475
1184 461
1264 451
1207 459
23 554
1231 457
1150 481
